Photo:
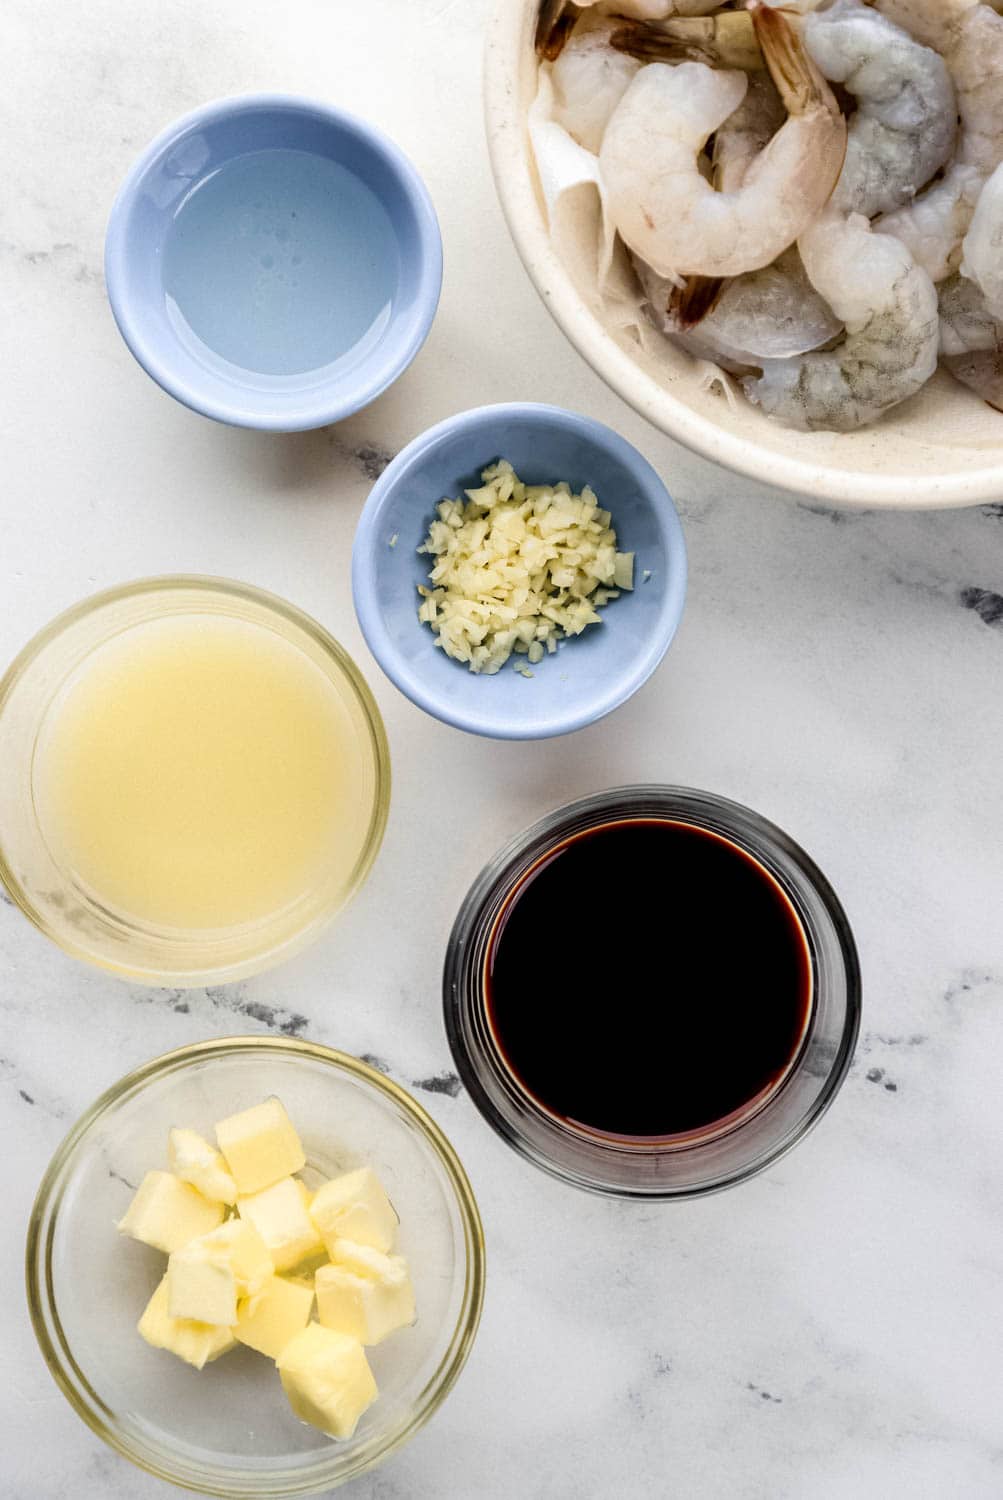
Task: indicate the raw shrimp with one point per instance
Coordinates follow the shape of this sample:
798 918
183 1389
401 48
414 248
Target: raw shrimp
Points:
969 35
971 340
933 227
976 64
746 131
736 145
971 305
737 142
662 205
983 245
904 127
889 306
557 18
935 23
589 80
773 313
966 324
601 56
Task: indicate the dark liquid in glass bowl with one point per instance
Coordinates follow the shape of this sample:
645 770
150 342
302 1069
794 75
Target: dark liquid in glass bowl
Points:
648 979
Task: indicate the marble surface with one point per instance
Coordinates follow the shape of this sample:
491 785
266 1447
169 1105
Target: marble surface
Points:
832 1329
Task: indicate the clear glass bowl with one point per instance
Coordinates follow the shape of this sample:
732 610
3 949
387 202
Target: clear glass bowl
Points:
59 903
684 1167
227 1429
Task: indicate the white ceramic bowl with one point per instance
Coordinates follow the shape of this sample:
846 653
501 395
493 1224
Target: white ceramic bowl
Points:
943 448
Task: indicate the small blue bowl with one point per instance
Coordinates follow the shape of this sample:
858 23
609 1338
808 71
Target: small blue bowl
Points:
403 253
590 675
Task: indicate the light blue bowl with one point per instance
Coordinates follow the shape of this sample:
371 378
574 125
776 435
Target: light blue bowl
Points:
590 675
182 160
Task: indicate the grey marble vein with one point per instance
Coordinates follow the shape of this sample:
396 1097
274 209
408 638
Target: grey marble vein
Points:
439 1083
986 603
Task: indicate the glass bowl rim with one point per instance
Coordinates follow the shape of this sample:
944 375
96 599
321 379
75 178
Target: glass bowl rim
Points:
49 1197
350 673
608 805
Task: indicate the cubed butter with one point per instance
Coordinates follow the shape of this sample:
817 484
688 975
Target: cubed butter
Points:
196 1343
166 1213
354 1207
238 1245
260 1146
327 1379
279 1215
202 1287
364 1293
269 1321
191 1158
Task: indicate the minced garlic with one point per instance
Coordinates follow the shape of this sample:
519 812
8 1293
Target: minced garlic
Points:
517 568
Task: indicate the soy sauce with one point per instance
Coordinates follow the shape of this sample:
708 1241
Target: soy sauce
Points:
648 979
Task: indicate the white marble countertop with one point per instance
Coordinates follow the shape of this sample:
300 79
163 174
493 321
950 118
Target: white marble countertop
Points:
830 1331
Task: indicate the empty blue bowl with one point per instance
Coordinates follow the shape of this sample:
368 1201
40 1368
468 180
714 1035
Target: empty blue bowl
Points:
273 262
590 675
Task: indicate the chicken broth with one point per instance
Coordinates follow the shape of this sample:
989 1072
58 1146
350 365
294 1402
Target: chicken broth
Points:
200 772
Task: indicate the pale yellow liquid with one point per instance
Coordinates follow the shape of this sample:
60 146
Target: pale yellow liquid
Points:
202 772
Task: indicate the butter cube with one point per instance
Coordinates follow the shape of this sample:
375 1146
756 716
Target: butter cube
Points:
236 1244
202 1288
364 1293
196 1343
193 1160
167 1213
354 1207
327 1379
280 1216
269 1321
260 1146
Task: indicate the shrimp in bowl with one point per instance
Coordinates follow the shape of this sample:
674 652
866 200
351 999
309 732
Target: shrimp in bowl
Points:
662 205
783 183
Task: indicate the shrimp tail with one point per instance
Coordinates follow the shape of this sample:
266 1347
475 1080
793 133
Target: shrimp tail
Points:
554 24
690 303
799 82
724 41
